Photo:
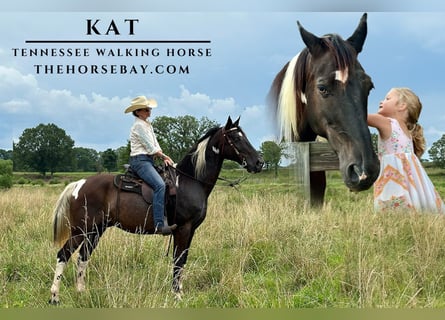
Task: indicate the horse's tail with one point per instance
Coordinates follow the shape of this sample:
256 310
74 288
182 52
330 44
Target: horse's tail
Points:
61 220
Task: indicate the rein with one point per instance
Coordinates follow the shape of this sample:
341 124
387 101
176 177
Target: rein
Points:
232 183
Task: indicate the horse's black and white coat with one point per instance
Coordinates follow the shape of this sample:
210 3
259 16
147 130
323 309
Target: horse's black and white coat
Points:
86 208
323 91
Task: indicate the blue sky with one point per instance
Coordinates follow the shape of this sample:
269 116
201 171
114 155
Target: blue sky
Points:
248 44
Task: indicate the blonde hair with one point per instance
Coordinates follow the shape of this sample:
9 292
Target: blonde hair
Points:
414 107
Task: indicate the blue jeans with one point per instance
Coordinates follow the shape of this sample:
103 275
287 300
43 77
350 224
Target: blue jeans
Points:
144 167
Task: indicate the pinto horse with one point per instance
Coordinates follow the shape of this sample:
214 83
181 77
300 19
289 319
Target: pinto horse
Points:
323 91
86 208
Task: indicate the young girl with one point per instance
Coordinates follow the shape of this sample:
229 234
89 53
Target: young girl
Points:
402 182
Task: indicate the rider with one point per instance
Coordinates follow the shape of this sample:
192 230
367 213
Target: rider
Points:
144 148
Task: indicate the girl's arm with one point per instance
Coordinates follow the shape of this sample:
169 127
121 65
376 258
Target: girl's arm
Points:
381 123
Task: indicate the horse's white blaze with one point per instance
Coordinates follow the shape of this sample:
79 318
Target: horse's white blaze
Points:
287 110
341 75
79 185
60 266
215 150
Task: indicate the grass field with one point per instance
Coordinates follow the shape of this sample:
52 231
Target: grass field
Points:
260 246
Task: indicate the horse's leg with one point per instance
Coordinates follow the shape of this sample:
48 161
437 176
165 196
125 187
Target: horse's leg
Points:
90 243
63 257
182 240
318 187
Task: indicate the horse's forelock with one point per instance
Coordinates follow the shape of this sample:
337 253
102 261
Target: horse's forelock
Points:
343 53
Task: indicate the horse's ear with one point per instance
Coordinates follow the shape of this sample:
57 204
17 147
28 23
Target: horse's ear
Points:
358 37
236 123
228 124
312 42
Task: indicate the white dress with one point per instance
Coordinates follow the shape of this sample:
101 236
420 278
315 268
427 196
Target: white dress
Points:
403 182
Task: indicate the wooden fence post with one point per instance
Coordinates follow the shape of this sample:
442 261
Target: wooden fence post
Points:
312 156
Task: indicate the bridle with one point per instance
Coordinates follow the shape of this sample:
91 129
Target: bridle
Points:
230 142
225 138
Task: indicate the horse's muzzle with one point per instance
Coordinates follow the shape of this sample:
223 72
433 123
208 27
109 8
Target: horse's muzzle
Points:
358 178
256 167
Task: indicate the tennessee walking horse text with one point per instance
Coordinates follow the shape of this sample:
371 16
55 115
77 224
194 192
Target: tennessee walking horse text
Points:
324 91
86 208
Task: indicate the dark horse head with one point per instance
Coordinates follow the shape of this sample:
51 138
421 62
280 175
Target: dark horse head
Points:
324 91
240 149
226 142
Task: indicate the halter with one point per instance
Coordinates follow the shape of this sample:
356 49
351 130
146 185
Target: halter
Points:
227 138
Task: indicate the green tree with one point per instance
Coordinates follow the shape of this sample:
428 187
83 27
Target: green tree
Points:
109 160
5 173
272 153
45 148
85 159
176 135
5 154
123 156
437 152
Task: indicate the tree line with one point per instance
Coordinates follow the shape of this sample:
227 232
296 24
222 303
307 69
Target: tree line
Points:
47 148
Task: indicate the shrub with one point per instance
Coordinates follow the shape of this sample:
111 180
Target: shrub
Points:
38 182
22 181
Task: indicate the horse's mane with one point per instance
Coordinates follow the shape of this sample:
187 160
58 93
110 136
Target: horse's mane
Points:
195 160
287 94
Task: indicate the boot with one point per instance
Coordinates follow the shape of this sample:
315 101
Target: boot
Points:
165 230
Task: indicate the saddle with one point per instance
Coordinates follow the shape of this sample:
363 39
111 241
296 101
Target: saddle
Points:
129 181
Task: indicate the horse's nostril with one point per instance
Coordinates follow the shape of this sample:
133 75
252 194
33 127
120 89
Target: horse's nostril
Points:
356 174
260 164
360 173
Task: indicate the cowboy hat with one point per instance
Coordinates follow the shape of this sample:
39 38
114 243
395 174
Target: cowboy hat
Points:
141 102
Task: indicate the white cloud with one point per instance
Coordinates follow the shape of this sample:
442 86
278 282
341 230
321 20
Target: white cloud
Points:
12 80
97 121
199 104
15 106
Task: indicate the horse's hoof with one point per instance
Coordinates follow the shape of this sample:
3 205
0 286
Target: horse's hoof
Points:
53 302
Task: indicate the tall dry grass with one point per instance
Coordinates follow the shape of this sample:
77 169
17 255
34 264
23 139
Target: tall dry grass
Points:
255 249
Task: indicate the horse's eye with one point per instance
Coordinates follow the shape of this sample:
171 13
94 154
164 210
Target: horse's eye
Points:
323 90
